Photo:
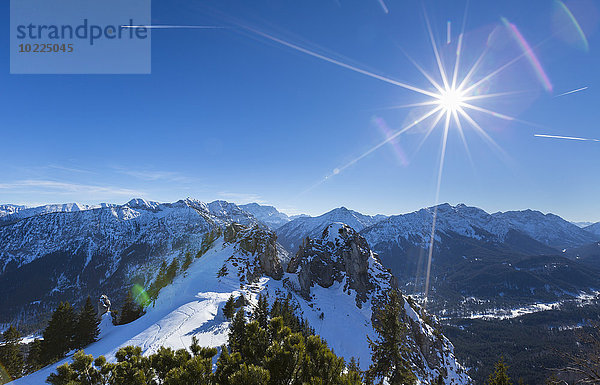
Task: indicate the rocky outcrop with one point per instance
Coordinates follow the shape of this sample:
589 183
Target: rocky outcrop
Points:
259 243
340 255
103 305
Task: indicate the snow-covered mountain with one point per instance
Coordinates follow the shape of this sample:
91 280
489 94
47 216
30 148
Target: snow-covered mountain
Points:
246 261
291 234
583 224
13 213
415 227
7 209
481 255
268 215
594 228
229 212
473 222
56 256
549 229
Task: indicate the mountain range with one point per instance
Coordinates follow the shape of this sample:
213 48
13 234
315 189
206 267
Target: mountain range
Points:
482 264
51 252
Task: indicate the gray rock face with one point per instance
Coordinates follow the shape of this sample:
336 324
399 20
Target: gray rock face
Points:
341 253
103 305
260 243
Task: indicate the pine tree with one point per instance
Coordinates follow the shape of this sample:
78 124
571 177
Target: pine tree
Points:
256 342
320 362
196 371
273 357
284 359
59 334
80 371
166 359
130 311
261 312
188 261
250 375
132 368
172 270
353 375
10 353
87 325
500 375
227 364
159 282
34 356
237 331
389 352
229 308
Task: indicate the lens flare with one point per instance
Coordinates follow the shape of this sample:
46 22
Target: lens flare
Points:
535 63
139 295
387 131
572 23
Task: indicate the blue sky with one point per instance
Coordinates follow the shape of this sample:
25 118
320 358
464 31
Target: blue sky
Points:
229 114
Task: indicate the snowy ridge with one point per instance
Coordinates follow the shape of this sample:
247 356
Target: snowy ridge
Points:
73 227
11 213
112 228
291 234
416 227
549 229
192 306
594 228
268 215
475 223
230 212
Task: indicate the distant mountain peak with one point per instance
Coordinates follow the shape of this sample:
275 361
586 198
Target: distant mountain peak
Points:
593 228
140 203
291 234
268 215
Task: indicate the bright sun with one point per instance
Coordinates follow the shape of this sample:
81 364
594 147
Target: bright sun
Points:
451 100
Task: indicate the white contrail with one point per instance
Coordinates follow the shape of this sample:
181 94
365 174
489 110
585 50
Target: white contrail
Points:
572 92
173 26
566 137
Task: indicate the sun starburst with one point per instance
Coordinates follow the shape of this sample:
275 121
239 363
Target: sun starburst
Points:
451 99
